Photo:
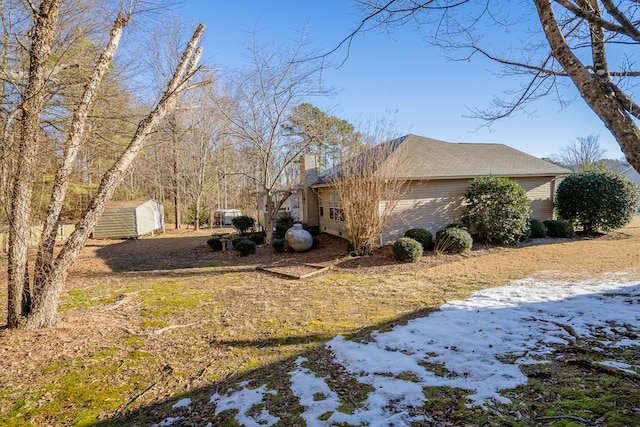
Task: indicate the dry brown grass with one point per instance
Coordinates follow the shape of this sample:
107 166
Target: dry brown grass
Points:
143 321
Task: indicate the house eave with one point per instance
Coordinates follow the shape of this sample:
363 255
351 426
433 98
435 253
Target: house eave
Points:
450 177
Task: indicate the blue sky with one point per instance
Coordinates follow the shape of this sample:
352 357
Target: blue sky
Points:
395 75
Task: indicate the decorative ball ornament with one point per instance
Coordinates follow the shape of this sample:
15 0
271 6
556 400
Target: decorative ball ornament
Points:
298 238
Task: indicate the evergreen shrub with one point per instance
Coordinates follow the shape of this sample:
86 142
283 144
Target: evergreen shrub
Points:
278 245
559 228
454 240
283 222
243 223
407 249
597 200
215 243
245 246
422 235
538 229
497 210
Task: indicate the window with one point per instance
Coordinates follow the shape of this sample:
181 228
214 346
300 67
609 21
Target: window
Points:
320 203
296 202
335 207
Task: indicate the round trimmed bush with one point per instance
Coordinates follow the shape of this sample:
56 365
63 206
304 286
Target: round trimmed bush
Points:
497 210
597 200
234 242
559 228
245 246
538 229
454 240
243 223
215 243
421 235
407 249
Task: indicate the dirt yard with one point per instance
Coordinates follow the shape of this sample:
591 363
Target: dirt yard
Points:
143 321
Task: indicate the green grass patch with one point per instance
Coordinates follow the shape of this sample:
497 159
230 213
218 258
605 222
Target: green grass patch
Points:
83 392
90 297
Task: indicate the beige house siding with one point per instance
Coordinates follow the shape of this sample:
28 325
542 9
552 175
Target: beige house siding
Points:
328 225
426 204
434 204
309 197
541 192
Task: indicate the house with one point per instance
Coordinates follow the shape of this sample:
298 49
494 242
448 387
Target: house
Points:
126 220
632 174
438 174
292 205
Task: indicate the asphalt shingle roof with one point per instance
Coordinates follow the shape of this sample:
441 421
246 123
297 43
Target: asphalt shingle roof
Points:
416 158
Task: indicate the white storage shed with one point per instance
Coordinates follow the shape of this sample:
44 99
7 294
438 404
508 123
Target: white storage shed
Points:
225 216
127 220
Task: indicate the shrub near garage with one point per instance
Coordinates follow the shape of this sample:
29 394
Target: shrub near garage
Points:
559 228
454 240
497 210
597 200
407 249
421 235
538 229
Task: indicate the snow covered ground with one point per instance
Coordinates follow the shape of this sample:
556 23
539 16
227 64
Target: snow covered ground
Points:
480 343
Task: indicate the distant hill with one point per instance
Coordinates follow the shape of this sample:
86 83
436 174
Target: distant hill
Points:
614 165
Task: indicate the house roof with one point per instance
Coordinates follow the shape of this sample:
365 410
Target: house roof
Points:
415 157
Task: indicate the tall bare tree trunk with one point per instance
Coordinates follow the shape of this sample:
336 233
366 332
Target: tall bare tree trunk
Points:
177 202
22 187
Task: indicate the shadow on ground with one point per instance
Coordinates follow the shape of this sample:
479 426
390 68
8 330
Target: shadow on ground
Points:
158 253
156 413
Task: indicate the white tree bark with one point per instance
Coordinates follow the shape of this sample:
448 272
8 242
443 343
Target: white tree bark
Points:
40 308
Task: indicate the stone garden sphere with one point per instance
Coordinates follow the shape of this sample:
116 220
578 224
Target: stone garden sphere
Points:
298 238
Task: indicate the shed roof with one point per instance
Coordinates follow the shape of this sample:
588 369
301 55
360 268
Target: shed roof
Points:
415 157
122 204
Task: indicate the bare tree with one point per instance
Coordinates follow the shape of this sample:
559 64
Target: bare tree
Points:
33 303
581 154
570 46
368 186
263 99
206 128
